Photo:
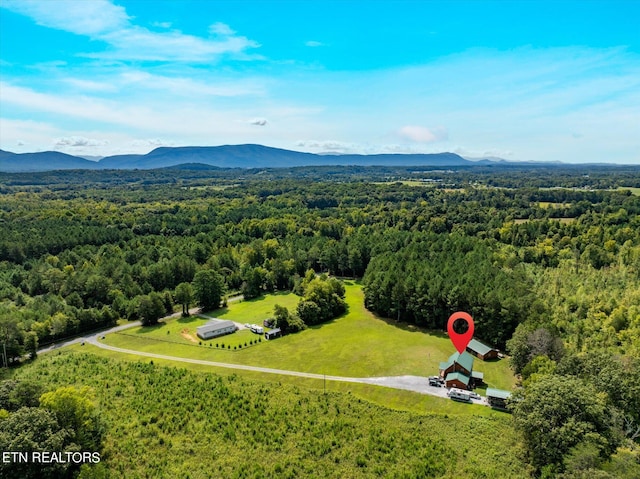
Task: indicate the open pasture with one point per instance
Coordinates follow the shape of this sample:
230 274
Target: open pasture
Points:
358 344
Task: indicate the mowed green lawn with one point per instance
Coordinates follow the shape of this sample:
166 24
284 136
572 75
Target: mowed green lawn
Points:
183 330
635 191
358 344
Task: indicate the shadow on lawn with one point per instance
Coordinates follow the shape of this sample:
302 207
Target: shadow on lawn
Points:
410 327
150 329
188 319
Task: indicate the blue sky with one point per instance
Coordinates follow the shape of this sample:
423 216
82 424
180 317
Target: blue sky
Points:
526 80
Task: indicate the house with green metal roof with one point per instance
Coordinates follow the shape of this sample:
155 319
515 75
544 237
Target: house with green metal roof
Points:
457 363
481 350
497 398
457 380
458 371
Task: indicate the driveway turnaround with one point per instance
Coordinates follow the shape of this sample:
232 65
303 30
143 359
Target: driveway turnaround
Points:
409 383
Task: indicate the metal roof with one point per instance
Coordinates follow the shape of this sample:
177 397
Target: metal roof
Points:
214 325
479 347
498 393
465 360
463 378
477 375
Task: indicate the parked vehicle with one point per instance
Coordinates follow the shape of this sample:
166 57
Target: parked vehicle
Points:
436 381
474 395
459 395
256 329
269 323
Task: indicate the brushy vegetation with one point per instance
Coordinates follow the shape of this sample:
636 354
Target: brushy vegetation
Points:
169 422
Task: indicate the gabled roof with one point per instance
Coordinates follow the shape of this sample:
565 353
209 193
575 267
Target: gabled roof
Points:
445 365
214 325
479 347
465 360
464 379
498 393
477 375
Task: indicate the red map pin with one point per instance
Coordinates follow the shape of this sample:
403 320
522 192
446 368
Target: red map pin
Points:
460 341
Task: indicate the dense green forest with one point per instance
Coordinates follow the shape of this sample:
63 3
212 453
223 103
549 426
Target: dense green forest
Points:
546 261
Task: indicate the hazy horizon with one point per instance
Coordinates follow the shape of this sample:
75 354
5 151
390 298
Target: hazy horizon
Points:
523 81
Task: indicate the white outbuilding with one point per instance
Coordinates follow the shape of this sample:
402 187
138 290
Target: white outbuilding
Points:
215 328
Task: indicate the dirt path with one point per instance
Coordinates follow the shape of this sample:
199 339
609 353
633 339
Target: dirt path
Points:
187 335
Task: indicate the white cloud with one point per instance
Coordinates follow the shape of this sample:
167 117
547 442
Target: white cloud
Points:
185 86
90 85
21 133
423 134
222 29
394 149
104 21
314 43
137 43
258 121
490 153
78 142
92 18
328 146
150 142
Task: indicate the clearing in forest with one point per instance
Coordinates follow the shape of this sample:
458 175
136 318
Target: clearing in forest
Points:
357 344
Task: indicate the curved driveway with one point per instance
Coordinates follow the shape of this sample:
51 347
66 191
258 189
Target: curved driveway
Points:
410 383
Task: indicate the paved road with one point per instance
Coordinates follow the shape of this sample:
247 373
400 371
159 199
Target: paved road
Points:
115 329
410 383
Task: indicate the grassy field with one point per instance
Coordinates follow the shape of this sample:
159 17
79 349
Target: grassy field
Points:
182 331
358 344
396 399
635 191
548 204
170 422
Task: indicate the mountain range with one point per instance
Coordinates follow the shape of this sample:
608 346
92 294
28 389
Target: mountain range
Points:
227 156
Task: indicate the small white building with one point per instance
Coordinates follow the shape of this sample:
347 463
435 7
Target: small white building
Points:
215 328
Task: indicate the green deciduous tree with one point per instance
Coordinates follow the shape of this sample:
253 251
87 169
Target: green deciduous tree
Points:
17 394
209 288
150 308
31 344
555 414
184 296
32 429
287 322
75 411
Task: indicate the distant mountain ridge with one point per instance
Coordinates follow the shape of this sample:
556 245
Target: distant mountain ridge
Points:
226 156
